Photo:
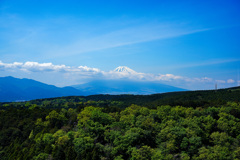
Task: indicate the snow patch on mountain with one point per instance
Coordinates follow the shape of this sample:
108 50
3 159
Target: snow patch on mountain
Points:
124 72
124 69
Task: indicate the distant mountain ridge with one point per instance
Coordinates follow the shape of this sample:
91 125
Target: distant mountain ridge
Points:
15 89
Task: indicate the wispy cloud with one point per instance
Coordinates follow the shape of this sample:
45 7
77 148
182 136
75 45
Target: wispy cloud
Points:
204 63
124 37
54 38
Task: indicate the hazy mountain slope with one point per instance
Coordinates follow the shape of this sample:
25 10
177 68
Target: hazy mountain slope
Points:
125 87
14 89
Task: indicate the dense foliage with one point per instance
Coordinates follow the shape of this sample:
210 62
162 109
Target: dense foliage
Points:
106 128
133 133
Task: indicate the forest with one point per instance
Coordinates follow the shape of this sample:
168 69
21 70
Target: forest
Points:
196 125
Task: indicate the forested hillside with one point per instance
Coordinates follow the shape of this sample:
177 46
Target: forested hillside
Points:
185 98
162 126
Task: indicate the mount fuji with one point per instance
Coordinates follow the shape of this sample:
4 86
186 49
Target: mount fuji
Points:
125 85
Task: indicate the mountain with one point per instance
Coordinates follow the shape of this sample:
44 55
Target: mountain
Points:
15 89
125 87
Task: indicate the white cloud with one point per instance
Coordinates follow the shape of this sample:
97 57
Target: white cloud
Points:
230 81
45 67
84 73
36 67
168 77
88 69
10 65
126 72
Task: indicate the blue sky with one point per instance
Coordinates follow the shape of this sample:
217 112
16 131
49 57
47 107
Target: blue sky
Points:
195 40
